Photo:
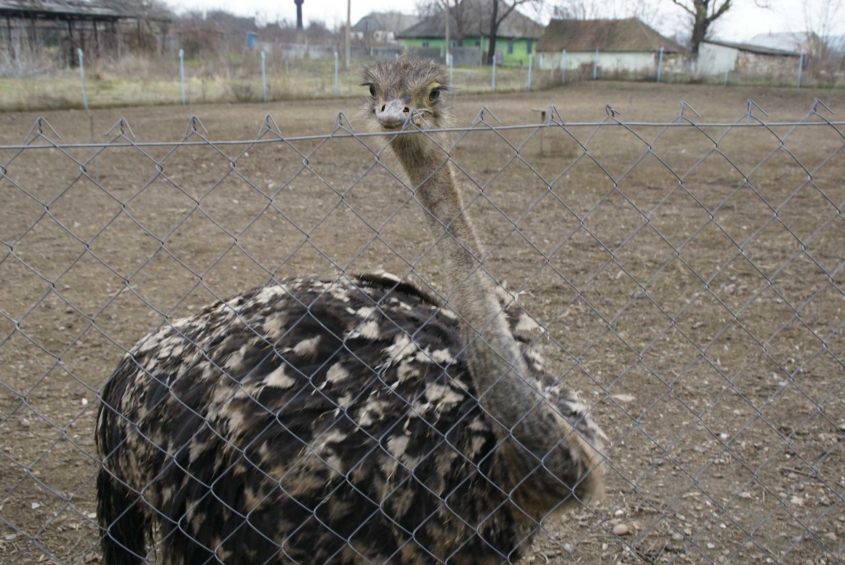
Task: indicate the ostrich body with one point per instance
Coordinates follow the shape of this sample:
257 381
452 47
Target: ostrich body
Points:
355 420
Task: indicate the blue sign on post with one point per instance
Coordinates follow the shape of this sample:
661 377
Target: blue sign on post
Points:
251 38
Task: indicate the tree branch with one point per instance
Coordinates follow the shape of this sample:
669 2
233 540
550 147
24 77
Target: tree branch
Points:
717 13
684 7
510 9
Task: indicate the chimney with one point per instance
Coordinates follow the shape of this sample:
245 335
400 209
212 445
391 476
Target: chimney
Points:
298 13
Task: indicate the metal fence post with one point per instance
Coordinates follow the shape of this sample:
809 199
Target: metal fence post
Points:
494 73
182 74
596 65
336 89
563 67
82 78
264 76
727 70
451 73
530 61
800 68
660 64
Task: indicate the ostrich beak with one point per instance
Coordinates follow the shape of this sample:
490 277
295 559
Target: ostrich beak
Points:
393 114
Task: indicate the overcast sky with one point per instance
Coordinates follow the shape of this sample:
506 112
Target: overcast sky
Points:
742 22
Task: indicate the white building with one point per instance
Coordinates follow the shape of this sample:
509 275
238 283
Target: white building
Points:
716 57
624 47
382 27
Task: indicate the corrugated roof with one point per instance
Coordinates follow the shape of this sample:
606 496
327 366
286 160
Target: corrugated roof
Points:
385 21
753 48
67 8
781 41
628 35
515 26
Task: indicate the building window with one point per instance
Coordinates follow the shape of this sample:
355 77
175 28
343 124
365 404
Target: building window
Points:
425 44
530 47
510 48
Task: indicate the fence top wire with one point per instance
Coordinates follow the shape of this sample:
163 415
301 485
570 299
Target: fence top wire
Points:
633 479
553 120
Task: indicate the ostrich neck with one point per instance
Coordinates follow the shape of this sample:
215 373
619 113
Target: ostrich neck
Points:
493 357
494 360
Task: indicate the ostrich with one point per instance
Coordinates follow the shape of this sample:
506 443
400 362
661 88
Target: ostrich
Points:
348 420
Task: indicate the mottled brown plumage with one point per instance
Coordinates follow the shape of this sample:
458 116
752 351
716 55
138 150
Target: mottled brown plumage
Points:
339 421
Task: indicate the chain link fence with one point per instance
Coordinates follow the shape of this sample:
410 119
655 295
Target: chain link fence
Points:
685 279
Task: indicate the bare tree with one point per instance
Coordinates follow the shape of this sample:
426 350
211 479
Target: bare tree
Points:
461 12
458 15
461 15
650 12
822 17
500 10
704 14
647 11
428 8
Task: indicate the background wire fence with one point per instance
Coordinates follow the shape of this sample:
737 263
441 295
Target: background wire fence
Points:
242 78
140 81
688 276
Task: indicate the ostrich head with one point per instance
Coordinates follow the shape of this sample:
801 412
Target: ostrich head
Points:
407 90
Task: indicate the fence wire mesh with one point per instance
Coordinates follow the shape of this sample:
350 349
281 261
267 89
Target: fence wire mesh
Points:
684 278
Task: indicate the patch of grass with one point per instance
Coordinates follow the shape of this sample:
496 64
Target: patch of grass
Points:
242 92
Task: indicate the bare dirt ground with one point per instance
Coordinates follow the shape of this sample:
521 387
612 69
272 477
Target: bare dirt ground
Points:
702 319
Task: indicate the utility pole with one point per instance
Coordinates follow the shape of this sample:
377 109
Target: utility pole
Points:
348 29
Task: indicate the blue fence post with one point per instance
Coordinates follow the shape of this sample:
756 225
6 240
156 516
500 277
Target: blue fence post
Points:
800 68
530 61
336 88
494 73
182 74
596 65
82 78
563 67
660 64
264 76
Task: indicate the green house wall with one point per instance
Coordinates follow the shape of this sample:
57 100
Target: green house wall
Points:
519 56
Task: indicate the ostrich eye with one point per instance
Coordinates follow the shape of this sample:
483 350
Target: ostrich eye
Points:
435 94
372 91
